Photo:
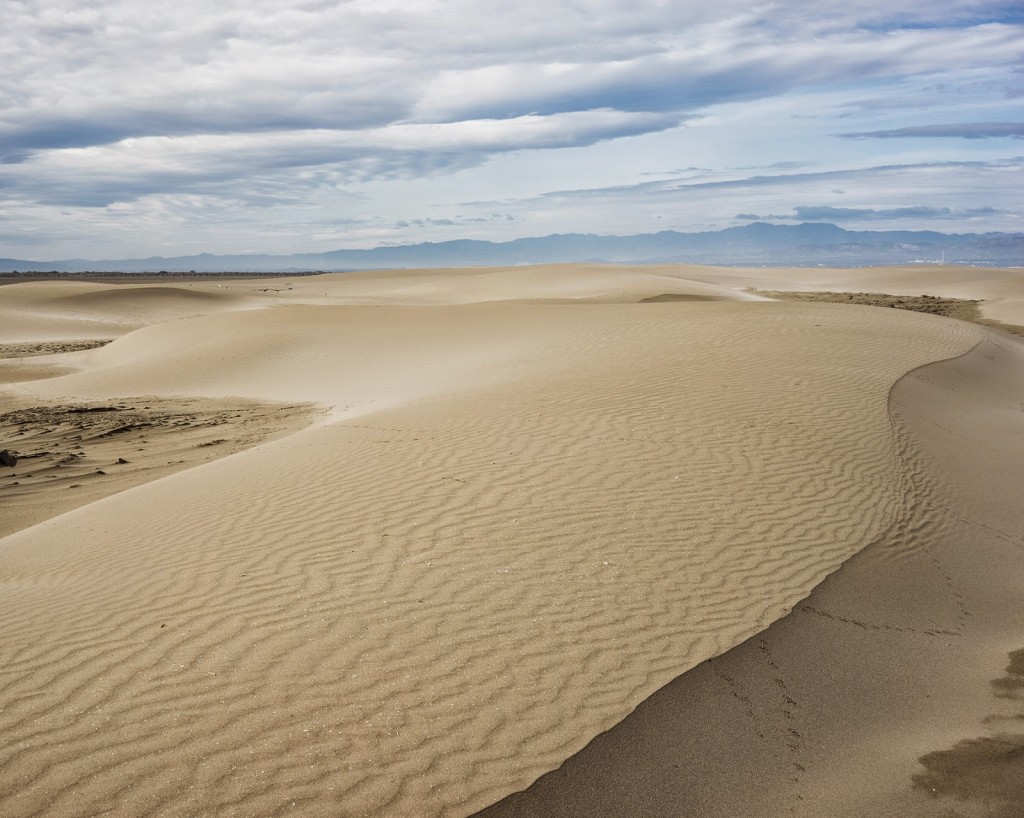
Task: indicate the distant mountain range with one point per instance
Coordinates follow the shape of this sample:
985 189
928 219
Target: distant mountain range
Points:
807 244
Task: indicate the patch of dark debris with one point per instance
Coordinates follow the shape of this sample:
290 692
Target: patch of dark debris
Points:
987 771
31 349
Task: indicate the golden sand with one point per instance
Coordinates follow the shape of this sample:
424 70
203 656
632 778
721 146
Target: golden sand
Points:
481 516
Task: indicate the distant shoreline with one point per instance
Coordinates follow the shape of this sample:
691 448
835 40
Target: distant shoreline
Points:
149 276
100 277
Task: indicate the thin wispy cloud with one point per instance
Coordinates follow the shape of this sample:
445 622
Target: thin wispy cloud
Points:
272 115
964 130
914 195
826 213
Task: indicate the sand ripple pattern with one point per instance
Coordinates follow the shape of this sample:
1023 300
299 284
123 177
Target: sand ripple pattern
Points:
420 610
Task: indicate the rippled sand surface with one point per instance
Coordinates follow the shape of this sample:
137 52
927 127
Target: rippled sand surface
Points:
474 520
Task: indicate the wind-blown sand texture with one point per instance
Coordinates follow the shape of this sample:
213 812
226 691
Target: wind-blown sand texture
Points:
525 501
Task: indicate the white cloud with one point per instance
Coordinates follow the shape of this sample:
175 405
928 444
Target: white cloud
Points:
134 167
302 102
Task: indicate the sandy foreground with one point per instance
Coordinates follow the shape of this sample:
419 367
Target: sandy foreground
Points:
567 540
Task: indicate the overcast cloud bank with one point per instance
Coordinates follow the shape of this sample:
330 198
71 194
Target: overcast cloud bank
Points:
128 128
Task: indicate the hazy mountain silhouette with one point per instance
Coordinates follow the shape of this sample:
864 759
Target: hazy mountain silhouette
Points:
757 243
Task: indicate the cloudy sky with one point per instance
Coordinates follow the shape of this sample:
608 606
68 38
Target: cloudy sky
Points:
133 128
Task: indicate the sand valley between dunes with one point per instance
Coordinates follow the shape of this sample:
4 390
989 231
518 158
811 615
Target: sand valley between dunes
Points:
568 540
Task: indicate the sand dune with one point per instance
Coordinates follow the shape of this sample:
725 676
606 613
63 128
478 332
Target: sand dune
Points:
52 310
999 290
548 282
886 691
527 502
